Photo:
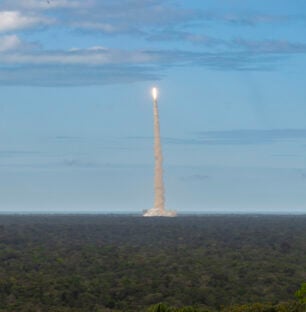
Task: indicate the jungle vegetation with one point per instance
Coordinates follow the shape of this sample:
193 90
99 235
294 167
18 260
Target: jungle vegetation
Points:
230 263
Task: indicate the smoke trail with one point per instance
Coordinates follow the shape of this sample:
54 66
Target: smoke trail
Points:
159 201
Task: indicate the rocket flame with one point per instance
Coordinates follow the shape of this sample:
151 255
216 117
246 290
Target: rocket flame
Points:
154 93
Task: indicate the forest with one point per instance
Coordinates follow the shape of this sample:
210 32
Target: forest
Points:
230 263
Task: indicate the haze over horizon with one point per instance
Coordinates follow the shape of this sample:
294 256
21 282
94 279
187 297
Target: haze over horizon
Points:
76 128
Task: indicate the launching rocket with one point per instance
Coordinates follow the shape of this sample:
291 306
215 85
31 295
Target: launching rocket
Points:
159 202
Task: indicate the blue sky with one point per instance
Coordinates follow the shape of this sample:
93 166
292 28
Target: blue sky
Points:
76 112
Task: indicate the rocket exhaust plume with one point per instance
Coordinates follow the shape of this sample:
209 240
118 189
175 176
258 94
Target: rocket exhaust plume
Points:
159 202
158 180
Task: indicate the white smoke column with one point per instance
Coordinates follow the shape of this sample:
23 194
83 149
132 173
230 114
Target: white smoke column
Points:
159 201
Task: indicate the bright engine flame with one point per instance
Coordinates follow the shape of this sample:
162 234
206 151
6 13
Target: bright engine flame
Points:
154 93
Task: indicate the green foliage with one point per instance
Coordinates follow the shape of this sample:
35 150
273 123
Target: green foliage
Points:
301 294
259 307
255 307
112 263
161 307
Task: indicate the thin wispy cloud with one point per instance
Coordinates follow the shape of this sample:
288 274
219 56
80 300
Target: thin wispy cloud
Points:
76 163
17 153
81 56
46 4
269 46
250 136
195 178
250 19
75 75
179 35
236 137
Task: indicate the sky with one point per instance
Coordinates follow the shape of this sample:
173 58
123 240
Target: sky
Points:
76 117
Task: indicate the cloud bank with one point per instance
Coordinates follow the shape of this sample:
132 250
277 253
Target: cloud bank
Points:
156 22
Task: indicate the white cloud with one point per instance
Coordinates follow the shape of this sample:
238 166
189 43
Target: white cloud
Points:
94 48
103 27
8 43
14 20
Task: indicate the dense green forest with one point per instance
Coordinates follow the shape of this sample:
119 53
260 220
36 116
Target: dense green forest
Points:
127 263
